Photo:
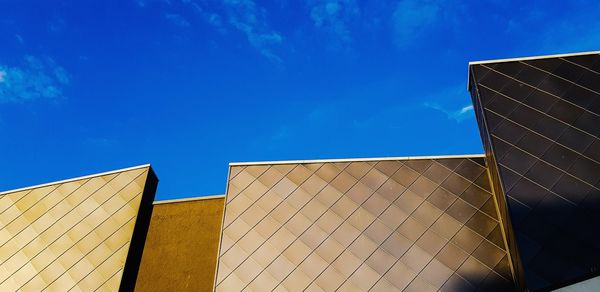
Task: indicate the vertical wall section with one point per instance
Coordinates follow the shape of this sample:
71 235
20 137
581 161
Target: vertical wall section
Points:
182 245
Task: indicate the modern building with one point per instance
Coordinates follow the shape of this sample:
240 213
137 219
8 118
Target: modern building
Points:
539 120
523 216
420 224
82 234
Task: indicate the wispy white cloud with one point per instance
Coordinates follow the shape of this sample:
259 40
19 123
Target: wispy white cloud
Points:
453 101
412 17
246 17
34 79
243 16
334 16
177 19
457 115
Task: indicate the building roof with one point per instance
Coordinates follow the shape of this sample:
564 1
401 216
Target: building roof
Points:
74 179
355 159
518 59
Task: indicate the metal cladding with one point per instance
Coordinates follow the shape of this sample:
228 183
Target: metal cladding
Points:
424 224
540 123
182 246
76 234
524 216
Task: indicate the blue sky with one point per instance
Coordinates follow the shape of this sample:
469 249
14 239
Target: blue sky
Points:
191 85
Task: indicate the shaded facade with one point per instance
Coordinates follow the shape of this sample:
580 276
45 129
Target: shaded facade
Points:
182 245
540 123
83 234
380 225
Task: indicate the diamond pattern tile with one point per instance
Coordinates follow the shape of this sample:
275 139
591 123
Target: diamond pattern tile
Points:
71 235
379 225
540 123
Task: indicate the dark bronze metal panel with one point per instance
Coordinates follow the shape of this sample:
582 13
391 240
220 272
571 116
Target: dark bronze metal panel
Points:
181 247
382 225
540 123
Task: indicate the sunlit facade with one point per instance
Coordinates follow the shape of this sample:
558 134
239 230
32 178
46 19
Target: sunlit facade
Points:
523 216
422 224
82 234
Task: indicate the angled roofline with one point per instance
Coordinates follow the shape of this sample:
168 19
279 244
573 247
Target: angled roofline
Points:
354 159
160 202
73 179
526 59
533 57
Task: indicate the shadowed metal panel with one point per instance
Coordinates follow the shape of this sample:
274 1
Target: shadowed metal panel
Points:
70 235
182 245
540 120
428 224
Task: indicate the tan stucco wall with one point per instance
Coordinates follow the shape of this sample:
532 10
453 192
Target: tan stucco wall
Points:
182 245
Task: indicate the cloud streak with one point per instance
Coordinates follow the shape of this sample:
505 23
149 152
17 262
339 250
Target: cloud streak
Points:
246 17
243 16
333 16
456 115
449 100
34 79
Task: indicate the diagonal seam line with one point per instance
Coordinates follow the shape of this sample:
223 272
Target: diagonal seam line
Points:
243 212
534 87
535 183
82 238
92 250
539 158
376 218
242 169
14 202
428 229
282 225
106 259
114 274
42 214
71 226
582 66
527 170
246 187
52 223
261 195
381 276
545 114
313 251
230 198
21 198
267 214
569 81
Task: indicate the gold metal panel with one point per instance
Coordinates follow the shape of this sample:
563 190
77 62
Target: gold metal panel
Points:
57 236
416 225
